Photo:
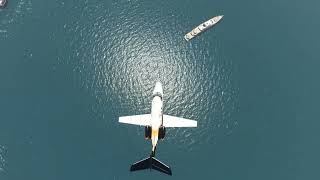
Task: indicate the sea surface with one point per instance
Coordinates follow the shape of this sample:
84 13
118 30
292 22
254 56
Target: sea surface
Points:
70 68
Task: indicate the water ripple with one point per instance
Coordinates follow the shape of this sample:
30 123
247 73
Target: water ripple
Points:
3 152
13 15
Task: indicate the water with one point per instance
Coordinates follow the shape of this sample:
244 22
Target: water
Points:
69 69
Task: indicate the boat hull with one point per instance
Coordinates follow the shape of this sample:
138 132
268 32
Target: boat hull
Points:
203 27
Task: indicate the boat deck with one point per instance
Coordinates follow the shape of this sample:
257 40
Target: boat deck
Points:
203 27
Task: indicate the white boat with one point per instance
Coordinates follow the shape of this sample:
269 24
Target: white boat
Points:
3 3
202 27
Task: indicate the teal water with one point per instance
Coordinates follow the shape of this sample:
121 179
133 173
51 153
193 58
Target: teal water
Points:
69 69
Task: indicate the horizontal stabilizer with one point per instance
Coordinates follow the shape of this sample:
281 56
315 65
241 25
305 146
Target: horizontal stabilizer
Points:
151 163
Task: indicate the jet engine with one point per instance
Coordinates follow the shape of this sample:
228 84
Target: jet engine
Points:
147 132
162 132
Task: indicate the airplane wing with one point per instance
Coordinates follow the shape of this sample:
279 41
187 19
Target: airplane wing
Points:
142 120
172 121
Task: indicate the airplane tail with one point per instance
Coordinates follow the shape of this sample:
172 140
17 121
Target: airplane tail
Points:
151 163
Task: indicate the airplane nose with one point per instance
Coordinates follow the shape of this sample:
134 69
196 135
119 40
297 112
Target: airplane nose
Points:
158 88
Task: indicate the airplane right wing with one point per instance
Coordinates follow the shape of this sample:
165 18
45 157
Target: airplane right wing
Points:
172 121
142 120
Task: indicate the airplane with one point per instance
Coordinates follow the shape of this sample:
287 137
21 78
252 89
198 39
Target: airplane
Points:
155 129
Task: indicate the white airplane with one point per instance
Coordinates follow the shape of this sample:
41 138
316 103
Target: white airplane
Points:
155 128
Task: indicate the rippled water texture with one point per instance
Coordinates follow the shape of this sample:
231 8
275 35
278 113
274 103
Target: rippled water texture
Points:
3 162
120 54
13 16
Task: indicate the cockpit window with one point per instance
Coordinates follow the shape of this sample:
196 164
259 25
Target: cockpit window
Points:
157 94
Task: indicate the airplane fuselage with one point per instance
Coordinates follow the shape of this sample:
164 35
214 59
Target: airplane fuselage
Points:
156 114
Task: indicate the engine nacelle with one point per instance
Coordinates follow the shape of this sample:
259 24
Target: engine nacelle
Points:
162 132
147 132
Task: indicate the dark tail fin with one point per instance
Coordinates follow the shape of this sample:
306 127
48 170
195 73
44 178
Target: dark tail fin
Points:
151 163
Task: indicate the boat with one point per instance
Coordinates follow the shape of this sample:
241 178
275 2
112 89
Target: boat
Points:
3 3
203 27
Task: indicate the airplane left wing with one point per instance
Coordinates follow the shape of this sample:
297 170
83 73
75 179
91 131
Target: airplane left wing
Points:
172 121
142 120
